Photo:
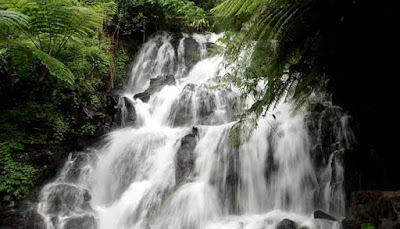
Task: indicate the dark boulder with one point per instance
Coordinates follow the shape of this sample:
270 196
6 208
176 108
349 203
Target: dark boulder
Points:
111 101
125 114
91 113
192 52
184 158
23 217
206 104
286 224
86 221
144 96
74 167
65 199
323 123
322 215
381 208
182 112
156 85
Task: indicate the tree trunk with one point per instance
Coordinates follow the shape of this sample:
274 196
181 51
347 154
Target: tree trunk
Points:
144 32
113 64
41 77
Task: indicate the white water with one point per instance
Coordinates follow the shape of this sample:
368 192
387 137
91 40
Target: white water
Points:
161 173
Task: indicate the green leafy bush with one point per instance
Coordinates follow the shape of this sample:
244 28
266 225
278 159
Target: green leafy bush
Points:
96 103
61 129
16 178
88 129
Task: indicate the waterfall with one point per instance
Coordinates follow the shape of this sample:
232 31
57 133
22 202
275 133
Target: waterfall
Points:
171 165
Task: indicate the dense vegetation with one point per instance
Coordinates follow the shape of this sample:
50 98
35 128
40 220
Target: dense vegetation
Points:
58 60
280 46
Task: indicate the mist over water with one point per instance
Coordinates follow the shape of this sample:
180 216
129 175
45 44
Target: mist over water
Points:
170 164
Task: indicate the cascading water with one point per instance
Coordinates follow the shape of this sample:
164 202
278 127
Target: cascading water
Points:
171 164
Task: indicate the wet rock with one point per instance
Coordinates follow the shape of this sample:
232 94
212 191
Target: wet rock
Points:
75 167
182 109
87 222
92 114
144 96
206 101
286 224
66 198
111 102
382 208
322 215
192 52
175 40
23 217
130 112
194 107
323 122
184 158
41 157
125 114
156 85
230 194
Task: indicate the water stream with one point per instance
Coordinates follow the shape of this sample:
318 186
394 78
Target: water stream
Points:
170 164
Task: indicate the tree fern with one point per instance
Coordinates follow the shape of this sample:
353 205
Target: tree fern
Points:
10 20
52 24
55 67
284 37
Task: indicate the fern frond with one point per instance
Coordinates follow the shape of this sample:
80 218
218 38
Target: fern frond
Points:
55 67
12 19
283 38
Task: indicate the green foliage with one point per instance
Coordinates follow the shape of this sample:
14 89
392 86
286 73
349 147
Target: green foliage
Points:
53 24
368 226
150 15
87 129
95 101
122 63
10 20
214 50
55 67
61 129
56 56
63 39
207 5
16 124
90 61
16 178
276 44
184 12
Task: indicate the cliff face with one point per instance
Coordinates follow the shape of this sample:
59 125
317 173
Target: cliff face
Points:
362 80
362 73
378 208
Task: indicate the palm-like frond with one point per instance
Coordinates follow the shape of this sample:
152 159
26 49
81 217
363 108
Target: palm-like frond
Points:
12 20
56 67
52 24
283 35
